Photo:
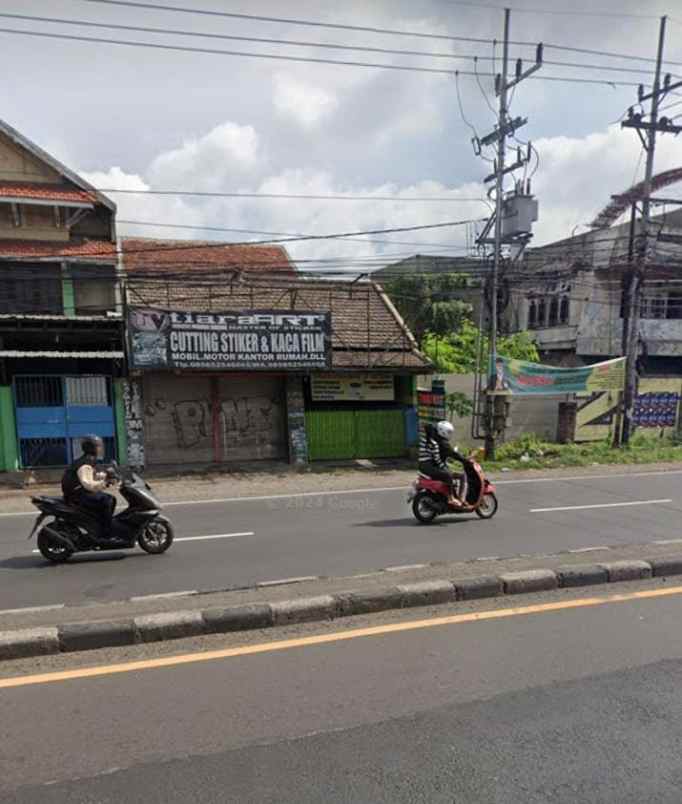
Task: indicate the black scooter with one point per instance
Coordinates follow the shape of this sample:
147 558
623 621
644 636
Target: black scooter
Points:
75 531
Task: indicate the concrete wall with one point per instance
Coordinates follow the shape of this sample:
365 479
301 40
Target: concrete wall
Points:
538 416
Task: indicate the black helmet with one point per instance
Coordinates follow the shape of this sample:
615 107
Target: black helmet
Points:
91 444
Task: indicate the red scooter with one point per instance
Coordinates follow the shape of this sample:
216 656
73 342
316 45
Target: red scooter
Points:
430 498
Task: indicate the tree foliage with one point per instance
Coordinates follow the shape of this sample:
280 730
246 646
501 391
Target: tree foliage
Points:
456 353
429 303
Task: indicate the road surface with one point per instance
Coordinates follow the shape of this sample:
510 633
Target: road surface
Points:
254 540
561 704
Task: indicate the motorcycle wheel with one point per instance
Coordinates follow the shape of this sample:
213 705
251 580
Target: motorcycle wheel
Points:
51 550
424 509
488 507
157 537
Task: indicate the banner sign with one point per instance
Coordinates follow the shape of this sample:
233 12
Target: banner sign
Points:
533 379
257 339
352 388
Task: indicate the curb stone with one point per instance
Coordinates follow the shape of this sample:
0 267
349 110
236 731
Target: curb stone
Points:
169 625
427 593
627 570
305 609
540 580
584 575
91 636
238 618
666 566
70 637
478 588
28 642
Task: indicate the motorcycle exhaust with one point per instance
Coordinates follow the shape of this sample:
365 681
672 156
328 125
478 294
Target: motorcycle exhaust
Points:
62 540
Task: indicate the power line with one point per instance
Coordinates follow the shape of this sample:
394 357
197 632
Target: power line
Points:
282 57
157 224
288 196
373 29
299 43
302 238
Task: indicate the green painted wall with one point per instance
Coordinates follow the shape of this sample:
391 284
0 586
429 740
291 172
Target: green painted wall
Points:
9 456
121 432
68 297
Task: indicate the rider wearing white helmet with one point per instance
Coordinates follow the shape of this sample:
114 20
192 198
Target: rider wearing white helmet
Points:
434 451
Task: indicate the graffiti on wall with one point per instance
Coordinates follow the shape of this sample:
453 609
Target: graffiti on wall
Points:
132 405
243 421
250 421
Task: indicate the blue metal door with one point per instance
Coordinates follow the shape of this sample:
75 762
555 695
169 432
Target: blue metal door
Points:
53 413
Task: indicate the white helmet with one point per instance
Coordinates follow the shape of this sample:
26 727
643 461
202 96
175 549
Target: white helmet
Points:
445 429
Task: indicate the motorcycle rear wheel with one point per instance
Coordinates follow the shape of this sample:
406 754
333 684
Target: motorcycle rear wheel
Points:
52 550
157 536
488 507
424 509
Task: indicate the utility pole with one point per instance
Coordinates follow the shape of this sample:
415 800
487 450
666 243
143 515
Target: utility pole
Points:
634 295
522 211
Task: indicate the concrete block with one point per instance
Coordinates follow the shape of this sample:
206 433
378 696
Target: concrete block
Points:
537 580
666 566
304 609
478 588
352 603
169 625
581 575
238 618
427 593
630 570
91 636
28 642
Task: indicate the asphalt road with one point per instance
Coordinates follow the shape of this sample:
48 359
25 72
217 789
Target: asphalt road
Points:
343 534
571 705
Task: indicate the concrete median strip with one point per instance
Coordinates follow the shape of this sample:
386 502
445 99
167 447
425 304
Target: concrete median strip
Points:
169 625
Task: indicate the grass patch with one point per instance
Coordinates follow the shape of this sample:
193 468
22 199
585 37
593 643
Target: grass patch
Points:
529 452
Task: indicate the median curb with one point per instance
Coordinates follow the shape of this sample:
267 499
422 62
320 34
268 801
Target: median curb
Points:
71 637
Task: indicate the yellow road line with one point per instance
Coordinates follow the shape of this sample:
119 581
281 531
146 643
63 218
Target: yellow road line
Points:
338 636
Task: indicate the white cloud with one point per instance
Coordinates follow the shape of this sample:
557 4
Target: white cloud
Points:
301 101
575 179
226 153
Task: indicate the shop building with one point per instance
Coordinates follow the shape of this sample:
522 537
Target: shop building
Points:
61 334
230 366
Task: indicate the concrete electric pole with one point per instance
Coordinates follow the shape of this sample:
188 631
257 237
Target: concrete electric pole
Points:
512 218
645 245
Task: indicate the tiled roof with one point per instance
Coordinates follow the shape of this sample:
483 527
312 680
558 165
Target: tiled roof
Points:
42 249
366 332
202 256
45 192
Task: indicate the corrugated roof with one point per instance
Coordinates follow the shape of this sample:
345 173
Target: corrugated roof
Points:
141 253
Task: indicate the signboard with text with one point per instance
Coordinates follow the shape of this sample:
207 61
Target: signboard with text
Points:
252 340
352 387
534 379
